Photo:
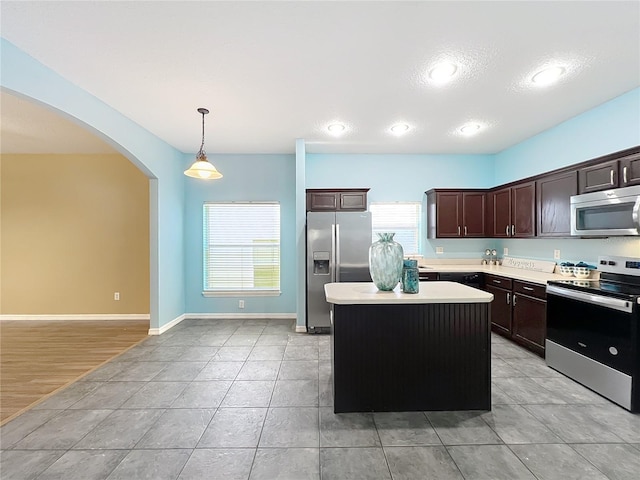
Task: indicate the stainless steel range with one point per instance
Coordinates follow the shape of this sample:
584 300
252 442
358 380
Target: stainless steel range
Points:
592 330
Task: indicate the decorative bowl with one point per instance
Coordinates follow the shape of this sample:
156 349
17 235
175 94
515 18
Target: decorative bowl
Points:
581 272
566 271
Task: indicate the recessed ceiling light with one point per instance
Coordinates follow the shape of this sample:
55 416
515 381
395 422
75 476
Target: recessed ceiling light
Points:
470 129
443 72
400 128
336 128
548 76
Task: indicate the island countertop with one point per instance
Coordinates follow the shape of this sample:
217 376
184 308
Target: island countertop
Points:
365 293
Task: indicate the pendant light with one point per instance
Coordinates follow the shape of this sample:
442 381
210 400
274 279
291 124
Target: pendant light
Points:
202 168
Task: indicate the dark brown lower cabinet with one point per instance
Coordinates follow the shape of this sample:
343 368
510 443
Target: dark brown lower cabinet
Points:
530 322
500 309
518 311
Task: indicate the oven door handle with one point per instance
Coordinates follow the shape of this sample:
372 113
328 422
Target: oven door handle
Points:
607 302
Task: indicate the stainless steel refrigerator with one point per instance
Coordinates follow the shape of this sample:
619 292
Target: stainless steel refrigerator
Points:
337 251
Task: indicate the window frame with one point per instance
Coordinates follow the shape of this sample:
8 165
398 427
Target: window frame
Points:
206 246
416 227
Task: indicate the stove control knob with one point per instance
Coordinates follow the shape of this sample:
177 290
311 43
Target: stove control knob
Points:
611 262
613 350
603 262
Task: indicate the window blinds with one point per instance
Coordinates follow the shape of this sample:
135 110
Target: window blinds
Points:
402 218
241 248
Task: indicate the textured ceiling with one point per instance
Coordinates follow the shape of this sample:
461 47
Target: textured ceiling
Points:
271 72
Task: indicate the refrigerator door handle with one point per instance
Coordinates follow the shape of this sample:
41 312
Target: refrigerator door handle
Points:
337 250
332 262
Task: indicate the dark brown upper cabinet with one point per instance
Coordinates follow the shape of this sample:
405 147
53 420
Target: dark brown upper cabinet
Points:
629 170
553 194
455 214
598 177
621 172
332 200
512 211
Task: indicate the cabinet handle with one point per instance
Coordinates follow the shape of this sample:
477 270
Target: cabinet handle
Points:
513 230
458 230
624 174
528 288
514 299
611 176
508 297
507 230
497 281
465 230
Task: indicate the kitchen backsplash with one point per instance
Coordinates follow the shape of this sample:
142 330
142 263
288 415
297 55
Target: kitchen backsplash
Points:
572 250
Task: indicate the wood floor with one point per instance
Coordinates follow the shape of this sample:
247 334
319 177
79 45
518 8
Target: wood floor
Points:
39 357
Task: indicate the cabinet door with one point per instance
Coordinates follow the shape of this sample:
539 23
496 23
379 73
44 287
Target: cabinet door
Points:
322 201
598 177
630 170
448 214
530 322
553 203
523 210
353 201
500 310
501 212
473 209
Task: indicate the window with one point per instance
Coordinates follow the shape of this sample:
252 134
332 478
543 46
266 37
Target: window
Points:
241 248
403 218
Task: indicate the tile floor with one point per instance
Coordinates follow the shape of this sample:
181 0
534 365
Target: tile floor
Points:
252 400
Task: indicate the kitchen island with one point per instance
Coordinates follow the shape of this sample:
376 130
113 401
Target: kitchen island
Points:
392 351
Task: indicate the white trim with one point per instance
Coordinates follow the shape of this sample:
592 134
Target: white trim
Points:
80 316
167 326
241 293
301 329
238 316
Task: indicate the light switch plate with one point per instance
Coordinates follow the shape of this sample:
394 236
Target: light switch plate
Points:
505 251
556 254
439 250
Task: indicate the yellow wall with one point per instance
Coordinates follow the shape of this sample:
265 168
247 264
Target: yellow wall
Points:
74 230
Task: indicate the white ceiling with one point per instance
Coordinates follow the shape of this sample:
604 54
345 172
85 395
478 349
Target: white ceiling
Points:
271 72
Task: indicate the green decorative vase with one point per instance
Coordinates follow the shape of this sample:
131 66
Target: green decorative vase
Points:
385 262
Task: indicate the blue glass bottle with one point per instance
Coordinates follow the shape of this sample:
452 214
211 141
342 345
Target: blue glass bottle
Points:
410 277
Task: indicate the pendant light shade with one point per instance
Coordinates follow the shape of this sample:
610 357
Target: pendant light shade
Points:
202 168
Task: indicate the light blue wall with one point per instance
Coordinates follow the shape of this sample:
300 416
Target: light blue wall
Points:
246 178
612 126
24 76
301 236
402 178
405 178
607 128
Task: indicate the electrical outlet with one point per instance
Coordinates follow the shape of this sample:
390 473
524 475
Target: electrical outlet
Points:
556 254
116 296
505 251
439 250
240 303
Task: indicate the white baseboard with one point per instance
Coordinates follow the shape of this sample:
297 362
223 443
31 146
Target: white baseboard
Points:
167 326
239 316
81 316
301 329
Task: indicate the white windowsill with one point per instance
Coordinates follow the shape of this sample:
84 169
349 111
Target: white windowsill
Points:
243 293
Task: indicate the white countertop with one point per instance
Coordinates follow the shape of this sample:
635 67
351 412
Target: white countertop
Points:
364 293
516 273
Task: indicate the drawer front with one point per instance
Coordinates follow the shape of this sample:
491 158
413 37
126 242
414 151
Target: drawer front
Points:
501 282
531 289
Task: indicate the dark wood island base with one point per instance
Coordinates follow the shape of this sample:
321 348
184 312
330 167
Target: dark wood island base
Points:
411 357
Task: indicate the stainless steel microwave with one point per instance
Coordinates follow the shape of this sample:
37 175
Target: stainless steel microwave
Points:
608 213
